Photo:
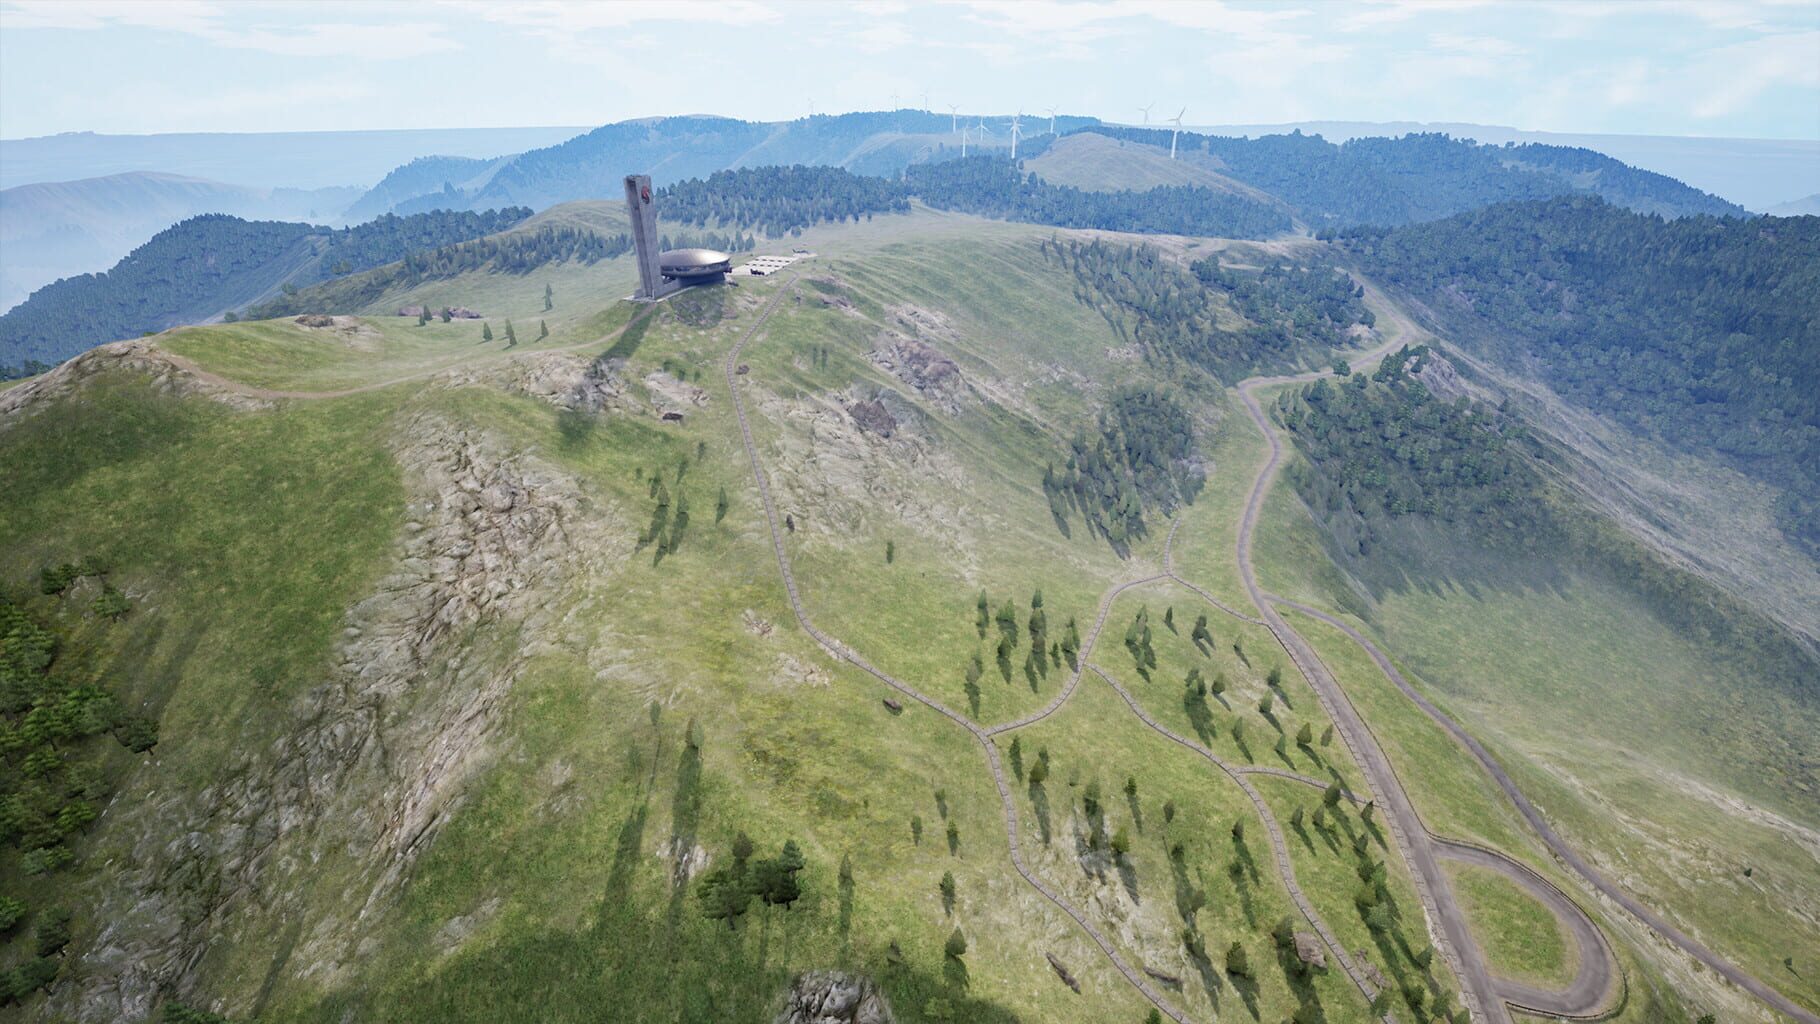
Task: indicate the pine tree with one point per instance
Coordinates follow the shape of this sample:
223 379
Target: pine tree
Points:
1237 963
423 316
720 506
511 337
947 888
543 330
447 314
486 331
1304 736
549 299
956 946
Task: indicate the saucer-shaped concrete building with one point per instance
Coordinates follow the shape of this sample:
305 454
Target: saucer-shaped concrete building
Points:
694 266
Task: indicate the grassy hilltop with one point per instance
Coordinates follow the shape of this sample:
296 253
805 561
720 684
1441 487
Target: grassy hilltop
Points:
470 672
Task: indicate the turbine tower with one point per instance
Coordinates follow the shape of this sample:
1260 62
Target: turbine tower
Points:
954 118
1177 130
1052 120
1146 111
963 143
1016 128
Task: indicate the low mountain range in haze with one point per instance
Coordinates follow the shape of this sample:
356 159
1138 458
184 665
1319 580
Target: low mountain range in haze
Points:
53 230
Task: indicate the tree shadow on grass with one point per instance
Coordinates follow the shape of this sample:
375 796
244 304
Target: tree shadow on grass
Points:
1039 800
955 974
1302 831
1247 988
1200 716
1242 851
1242 884
1212 981
1128 877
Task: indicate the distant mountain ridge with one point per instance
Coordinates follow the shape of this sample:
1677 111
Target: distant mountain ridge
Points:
291 159
672 149
53 230
1757 174
1415 178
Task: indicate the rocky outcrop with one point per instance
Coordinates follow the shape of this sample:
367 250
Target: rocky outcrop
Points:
1437 374
351 329
1308 950
369 762
669 394
831 997
873 417
140 356
919 365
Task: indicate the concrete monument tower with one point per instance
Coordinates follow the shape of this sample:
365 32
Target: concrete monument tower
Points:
642 211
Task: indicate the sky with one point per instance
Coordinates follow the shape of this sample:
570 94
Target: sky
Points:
1749 68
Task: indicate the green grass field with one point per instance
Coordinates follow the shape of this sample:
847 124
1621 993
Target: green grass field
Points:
1519 936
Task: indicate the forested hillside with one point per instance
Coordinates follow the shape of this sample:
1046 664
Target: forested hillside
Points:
778 200
1424 177
993 187
1382 451
213 263
1274 317
1700 332
516 252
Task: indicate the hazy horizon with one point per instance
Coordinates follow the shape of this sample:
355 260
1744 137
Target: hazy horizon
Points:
1711 70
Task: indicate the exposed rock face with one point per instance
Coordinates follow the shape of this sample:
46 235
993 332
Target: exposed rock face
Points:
317 320
919 365
671 395
1438 375
138 355
371 760
567 381
831 997
872 416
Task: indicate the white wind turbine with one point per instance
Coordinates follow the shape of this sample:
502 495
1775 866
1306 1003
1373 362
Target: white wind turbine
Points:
963 142
1016 129
980 131
954 118
1146 111
1052 120
1177 130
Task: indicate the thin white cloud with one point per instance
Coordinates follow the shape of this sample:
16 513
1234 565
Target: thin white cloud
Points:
1733 76
224 26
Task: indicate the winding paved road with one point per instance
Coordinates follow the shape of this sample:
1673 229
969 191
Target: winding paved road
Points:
1555 843
1453 937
